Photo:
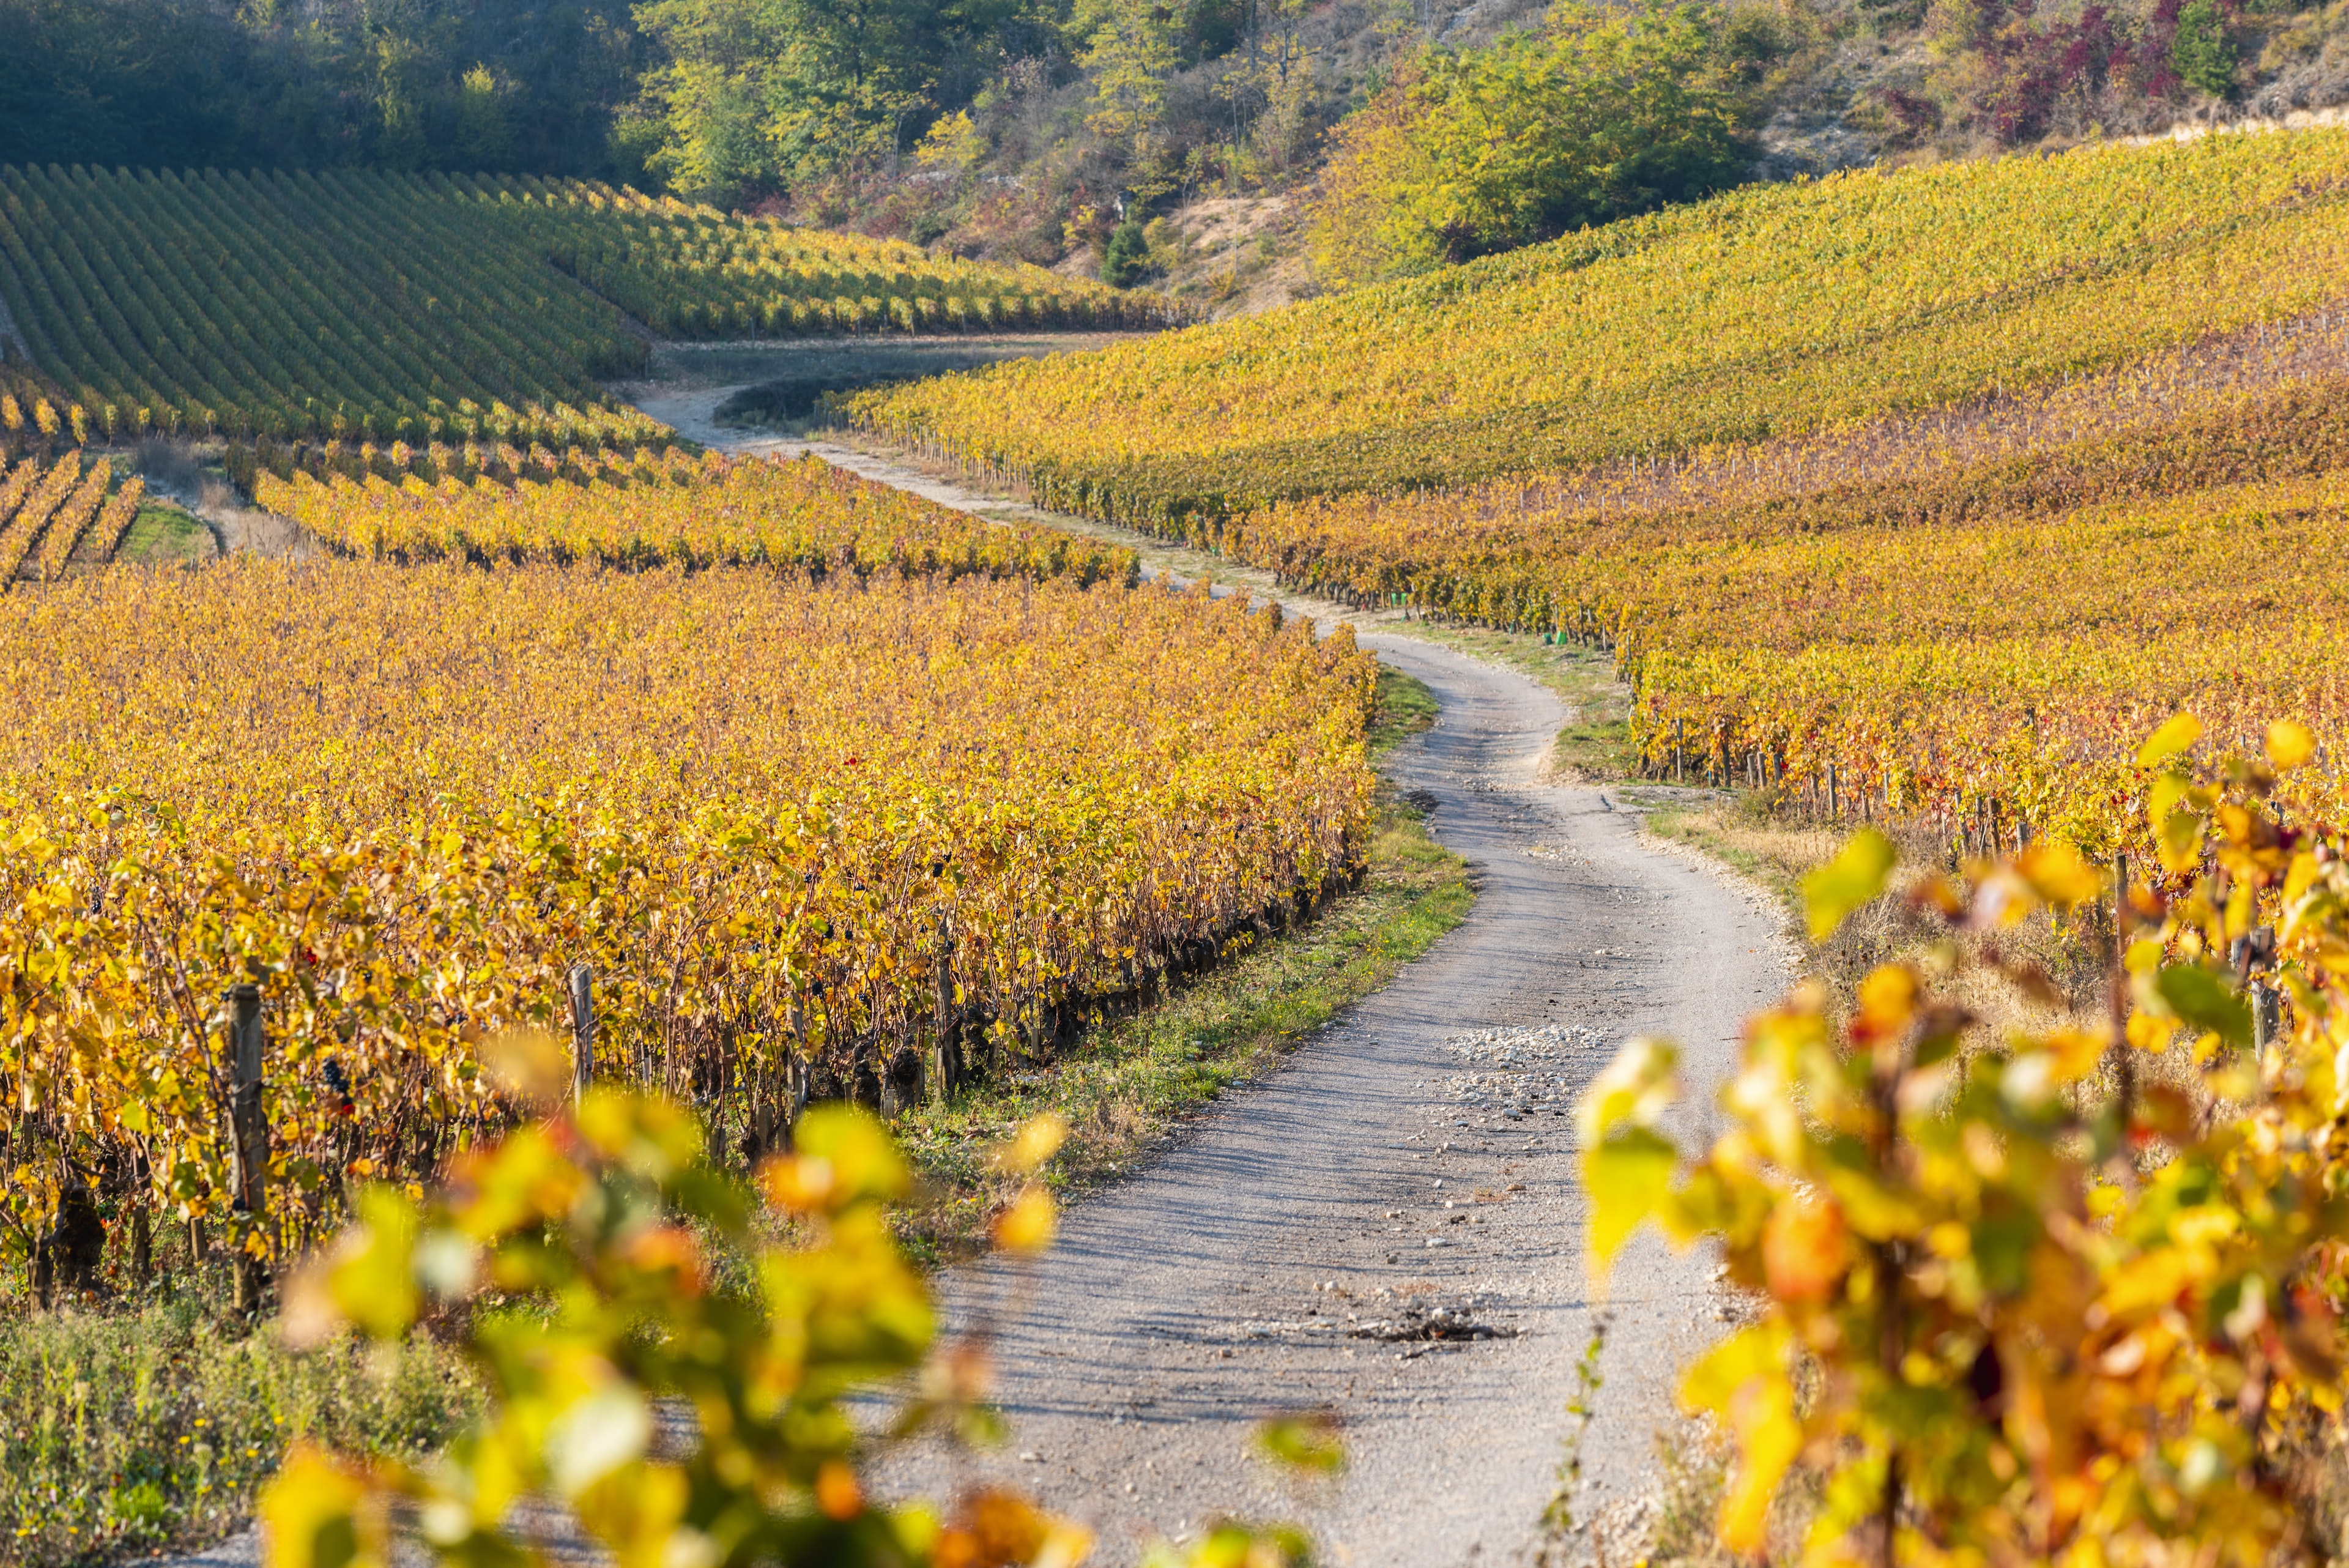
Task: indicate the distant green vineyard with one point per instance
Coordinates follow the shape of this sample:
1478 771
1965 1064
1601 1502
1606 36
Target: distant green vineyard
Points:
693 272
426 307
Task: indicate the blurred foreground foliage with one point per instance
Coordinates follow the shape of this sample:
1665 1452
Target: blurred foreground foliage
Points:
2069 1296
659 1286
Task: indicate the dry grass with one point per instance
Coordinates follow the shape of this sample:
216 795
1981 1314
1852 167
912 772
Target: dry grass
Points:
1778 848
1695 1463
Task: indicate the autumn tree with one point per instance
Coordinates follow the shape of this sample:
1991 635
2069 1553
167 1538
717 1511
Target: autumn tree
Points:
1599 115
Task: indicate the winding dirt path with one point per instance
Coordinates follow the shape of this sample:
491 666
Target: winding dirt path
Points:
1222 1283
1417 1154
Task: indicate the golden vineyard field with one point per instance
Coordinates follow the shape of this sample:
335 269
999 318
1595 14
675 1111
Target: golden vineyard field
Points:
1988 635
1946 484
55 513
1770 312
784 821
648 508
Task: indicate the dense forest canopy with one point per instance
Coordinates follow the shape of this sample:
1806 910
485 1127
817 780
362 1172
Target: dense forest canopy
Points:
520 85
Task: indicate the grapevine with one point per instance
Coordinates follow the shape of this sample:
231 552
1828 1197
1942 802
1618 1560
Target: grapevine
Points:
2056 1308
657 509
856 837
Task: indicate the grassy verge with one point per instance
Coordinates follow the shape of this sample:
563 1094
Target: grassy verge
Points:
1402 708
1125 1089
1737 831
135 1431
162 534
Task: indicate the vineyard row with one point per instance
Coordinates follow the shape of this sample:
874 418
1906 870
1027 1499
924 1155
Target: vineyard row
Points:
346 304
53 513
809 838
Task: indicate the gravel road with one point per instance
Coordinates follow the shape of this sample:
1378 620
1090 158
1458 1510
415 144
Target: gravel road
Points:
1222 1283
1415 1157
1400 1162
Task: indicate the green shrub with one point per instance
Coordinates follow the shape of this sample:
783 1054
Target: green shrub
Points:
2201 53
1601 115
1128 256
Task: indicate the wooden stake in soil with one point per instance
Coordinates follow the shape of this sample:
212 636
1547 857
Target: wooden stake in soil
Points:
2124 1062
942 1077
582 1030
249 1136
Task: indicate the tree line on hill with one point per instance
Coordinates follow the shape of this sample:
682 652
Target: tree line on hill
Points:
1414 132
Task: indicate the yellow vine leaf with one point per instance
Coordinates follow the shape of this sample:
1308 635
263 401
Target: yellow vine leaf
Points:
1028 1225
2173 739
2058 875
2291 745
1039 1138
1856 876
321 1512
1308 1442
1743 1382
1627 1165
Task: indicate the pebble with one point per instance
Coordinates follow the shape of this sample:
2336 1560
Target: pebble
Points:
1528 1072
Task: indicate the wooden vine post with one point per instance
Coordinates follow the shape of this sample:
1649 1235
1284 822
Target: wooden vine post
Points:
248 1140
582 1030
2258 948
942 1073
2123 1058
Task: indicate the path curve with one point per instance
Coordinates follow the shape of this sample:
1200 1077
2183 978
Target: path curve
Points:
1180 1307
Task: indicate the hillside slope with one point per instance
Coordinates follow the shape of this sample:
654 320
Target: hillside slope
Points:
1770 311
430 307
1928 493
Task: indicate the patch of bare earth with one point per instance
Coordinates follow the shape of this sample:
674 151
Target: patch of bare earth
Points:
1239 256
